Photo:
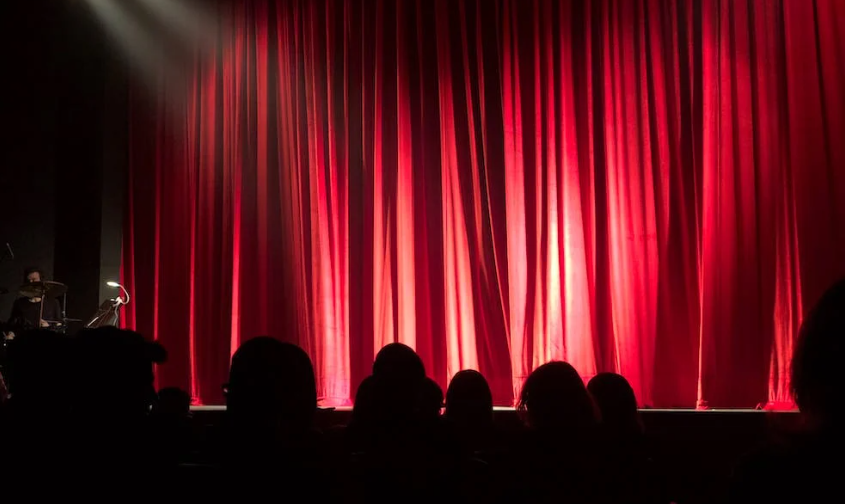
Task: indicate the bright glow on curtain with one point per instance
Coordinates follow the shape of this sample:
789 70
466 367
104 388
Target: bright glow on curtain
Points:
650 187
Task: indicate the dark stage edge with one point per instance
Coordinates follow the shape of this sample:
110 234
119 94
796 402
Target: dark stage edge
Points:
505 409
742 428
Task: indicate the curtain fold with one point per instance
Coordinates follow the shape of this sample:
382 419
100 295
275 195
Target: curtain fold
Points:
651 187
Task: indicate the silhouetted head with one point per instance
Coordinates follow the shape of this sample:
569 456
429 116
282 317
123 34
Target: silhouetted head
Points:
362 410
38 370
469 401
616 402
431 400
398 361
271 384
555 398
817 378
173 402
114 371
398 377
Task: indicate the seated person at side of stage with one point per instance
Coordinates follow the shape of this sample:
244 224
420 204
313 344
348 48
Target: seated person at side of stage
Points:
27 311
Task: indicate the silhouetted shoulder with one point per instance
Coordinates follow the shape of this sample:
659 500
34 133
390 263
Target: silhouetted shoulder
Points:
804 469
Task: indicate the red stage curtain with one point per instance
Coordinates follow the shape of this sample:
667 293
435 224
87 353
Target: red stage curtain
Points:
650 187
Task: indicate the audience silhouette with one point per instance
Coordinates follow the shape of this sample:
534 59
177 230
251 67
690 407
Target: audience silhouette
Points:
630 473
805 467
35 419
170 425
560 454
85 414
271 401
469 412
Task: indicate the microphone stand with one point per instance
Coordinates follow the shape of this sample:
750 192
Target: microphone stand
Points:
64 329
41 307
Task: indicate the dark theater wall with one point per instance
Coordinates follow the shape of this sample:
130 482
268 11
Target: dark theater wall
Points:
63 153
